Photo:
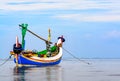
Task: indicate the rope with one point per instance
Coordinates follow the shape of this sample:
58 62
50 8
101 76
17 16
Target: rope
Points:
6 60
76 57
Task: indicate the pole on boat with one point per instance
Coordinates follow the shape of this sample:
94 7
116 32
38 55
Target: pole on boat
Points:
36 35
16 55
48 43
17 49
49 35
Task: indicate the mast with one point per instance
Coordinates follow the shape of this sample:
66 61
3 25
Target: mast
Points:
48 44
36 35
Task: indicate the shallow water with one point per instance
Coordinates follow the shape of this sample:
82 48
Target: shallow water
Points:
67 70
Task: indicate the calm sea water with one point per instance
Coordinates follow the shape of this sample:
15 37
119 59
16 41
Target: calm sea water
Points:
67 70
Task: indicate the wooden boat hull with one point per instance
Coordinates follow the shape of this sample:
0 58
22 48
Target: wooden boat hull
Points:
22 61
26 61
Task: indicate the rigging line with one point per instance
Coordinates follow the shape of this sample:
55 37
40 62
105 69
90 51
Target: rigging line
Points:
6 60
76 57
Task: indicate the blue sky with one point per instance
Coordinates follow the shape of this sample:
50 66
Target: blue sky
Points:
91 27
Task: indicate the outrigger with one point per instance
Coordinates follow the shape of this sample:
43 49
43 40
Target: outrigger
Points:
50 56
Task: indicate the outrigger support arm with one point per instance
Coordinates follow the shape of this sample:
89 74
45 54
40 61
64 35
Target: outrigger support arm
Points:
37 35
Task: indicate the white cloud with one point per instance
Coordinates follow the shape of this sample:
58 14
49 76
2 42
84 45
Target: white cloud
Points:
89 17
112 34
58 4
110 13
88 36
104 18
111 8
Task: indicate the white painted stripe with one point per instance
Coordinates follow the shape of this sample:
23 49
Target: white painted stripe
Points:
50 58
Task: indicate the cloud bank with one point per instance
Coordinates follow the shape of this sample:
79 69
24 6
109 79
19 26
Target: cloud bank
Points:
80 10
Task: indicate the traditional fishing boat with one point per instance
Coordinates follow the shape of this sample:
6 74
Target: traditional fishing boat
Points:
50 56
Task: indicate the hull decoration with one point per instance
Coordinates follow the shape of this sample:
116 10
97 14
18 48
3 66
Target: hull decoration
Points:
50 56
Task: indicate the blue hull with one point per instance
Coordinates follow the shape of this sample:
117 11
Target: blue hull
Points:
24 61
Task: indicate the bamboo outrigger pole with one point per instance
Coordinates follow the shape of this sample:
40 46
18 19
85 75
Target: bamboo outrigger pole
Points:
37 35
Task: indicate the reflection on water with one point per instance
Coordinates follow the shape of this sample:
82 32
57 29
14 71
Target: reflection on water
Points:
99 70
19 74
25 73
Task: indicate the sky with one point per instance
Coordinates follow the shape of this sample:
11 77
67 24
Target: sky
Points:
91 27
